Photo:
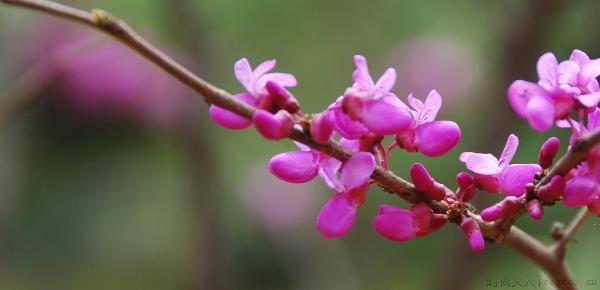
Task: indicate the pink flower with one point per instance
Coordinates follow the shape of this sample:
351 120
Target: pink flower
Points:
395 223
401 225
560 88
425 184
265 91
432 138
339 213
511 178
369 106
581 190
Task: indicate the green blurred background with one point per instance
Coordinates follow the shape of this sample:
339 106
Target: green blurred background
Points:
120 202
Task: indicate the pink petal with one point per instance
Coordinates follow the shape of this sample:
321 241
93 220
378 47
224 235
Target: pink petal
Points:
295 166
589 71
394 223
263 68
337 217
243 73
382 117
229 119
386 81
580 191
282 79
489 183
579 57
547 68
514 177
358 170
483 163
589 100
322 126
519 94
509 150
423 216
568 72
432 106
540 114
347 127
415 103
272 126
361 75
437 138
328 173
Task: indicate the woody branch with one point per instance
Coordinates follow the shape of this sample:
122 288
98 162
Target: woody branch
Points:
550 258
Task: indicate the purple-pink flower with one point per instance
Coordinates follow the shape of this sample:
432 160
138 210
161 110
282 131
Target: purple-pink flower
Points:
430 137
266 92
510 178
561 88
369 106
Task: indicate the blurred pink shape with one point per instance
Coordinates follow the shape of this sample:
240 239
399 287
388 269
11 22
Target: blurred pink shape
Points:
276 204
101 78
428 63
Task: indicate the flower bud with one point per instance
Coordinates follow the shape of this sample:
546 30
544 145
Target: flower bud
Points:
282 97
535 209
500 210
394 223
548 152
273 126
473 233
425 183
466 186
553 190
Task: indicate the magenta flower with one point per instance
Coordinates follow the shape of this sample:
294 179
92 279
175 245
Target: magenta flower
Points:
559 89
511 178
430 137
339 213
501 209
581 190
396 224
265 91
369 106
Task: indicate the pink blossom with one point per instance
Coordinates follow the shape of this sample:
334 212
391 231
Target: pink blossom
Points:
265 91
370 104
561 87
395 223
430 137
581 190
339 213
511 178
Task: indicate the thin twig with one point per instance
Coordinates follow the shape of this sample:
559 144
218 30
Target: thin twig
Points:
560 247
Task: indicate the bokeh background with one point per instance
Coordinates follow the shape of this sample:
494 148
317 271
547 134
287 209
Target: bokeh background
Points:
112 176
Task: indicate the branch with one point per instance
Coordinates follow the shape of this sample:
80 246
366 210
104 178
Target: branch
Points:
510 235
560 247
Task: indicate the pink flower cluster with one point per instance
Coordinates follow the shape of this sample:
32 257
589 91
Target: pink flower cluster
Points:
367 113
359 120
